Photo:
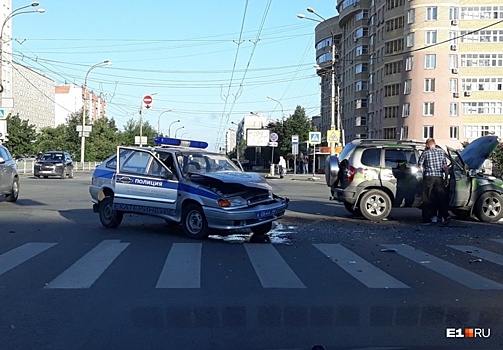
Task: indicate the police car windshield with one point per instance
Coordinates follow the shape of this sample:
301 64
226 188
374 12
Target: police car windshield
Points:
196 162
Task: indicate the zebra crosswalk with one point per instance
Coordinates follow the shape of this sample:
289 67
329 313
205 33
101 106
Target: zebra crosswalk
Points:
181 265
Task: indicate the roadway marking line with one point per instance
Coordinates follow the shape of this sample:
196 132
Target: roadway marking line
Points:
359 268
498 240
445 268
90 267
182 268
19 255
480 253
271 268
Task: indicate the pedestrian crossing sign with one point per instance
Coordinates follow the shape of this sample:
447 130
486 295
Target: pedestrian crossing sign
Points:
333 136
314 137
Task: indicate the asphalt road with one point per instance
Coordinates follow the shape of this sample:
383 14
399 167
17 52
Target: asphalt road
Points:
328 278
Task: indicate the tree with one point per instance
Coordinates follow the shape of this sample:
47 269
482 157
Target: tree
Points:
132 129
52 139
103 140
22 136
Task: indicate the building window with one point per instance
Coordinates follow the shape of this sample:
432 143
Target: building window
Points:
429 85
406 110
361 86
409 63
453 109
361 120
427 131
431 37
410 16
430 61
453 61
431 13
453 13
453 85
454 132
361 67
389 133
361 103
410 40
428 109
405 133
408 86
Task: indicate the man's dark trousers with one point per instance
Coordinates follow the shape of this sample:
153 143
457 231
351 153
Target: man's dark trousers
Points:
434 198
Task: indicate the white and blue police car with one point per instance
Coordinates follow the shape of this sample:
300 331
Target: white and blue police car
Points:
179 181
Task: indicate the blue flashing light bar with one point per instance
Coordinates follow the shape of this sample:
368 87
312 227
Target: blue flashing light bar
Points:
168 141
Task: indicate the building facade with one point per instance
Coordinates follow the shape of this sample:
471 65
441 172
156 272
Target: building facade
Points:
412 69
33 96
70 99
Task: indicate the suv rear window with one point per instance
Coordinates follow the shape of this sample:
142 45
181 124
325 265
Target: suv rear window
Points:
346 152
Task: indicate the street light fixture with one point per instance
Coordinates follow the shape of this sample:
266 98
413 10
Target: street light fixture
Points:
334 124
7 18
169 127
181 127
83 139
159 121
281 105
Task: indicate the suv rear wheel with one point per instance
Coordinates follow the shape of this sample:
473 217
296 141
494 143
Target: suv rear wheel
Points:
488 207
375 205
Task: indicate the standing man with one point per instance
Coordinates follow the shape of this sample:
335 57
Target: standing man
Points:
433 163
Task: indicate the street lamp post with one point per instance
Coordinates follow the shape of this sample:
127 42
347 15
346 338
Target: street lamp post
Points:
83 139
169 127
181 127
159 121
7 18
237 140
334 124
282 127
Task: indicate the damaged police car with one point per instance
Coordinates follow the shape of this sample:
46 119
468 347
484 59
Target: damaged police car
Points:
180 182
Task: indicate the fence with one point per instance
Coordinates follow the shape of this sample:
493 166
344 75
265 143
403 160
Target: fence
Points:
26 166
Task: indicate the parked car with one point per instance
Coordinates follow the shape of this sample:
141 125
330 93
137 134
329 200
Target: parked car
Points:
372 176
54 163
9 177
187 185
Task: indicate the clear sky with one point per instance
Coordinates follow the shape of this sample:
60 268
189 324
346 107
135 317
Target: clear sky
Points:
209 62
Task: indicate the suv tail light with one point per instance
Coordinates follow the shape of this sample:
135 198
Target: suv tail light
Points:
351 174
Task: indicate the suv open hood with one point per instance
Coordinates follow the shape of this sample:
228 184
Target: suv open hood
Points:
478 151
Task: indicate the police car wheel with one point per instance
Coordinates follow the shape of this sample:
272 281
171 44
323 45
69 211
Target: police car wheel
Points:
194 222
109 217
262 229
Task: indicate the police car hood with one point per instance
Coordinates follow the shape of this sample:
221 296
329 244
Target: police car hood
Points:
237 177
477 151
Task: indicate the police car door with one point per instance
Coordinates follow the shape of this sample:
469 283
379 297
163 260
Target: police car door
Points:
143 184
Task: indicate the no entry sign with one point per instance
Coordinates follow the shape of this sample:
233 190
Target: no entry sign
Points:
147 100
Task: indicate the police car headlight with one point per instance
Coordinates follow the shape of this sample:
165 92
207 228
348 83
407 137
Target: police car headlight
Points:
231 202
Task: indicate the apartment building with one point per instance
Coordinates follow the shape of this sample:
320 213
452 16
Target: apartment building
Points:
70 99
413 69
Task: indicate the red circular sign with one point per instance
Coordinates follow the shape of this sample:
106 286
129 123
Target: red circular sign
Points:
147 99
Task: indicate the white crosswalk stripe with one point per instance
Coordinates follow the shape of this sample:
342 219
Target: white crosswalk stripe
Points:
445 268
183 267
480 253
271 268
19 255
89 268
359 268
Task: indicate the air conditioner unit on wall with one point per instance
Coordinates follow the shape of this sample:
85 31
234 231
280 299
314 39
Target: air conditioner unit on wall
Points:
454 47
454 22
455 70
455 95
468 93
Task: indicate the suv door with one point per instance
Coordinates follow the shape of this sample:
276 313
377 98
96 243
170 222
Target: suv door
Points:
460 184
400 175
143 183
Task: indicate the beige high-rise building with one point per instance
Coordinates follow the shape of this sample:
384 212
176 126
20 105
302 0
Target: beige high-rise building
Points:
413 69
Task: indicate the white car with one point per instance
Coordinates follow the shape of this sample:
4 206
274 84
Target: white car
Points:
182 183
9 177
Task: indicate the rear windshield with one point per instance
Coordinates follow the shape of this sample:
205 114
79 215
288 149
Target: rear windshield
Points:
346 151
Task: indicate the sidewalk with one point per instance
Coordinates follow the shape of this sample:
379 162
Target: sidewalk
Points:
299 177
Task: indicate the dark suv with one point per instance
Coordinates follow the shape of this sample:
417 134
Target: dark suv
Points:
9 178
54 163
372 176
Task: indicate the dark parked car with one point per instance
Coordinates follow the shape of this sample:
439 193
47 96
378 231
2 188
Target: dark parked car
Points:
54 163
9 178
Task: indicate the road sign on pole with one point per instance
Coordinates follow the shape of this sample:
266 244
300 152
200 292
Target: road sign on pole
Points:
314 137
147 101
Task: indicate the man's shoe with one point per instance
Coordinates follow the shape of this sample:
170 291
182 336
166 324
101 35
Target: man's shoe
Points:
434 219
446 220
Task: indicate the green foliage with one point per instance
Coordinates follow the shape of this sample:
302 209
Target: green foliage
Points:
22 136
497 157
